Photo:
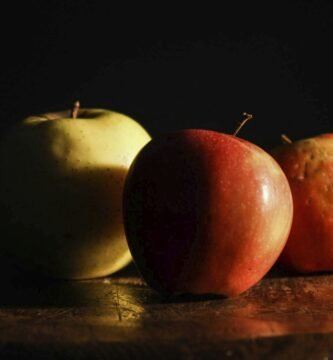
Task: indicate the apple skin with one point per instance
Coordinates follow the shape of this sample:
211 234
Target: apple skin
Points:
308 165
61 193
205 213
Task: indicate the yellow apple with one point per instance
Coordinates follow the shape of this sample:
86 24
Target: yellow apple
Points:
61 185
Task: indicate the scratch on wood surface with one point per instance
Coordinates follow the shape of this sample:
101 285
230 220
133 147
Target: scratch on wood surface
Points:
118 307
130 281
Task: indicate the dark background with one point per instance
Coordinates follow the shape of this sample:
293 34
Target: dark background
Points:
173 68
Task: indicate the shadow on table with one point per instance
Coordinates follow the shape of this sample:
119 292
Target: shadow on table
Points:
31 292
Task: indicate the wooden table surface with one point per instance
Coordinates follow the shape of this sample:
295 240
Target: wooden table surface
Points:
282 317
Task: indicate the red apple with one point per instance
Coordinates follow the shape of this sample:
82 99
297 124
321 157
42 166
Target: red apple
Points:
205 213
308 165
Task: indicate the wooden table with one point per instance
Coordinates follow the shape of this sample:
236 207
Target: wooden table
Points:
119 317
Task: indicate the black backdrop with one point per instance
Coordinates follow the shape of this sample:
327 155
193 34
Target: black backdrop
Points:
173 68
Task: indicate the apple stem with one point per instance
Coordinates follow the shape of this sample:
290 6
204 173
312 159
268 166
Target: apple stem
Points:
75 109
285 139
248 117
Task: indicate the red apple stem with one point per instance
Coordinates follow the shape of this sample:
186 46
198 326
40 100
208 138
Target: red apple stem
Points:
75 109
248 117
285 139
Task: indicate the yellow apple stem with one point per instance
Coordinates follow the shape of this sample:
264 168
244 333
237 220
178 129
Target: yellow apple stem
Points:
75 110
248 117
285 139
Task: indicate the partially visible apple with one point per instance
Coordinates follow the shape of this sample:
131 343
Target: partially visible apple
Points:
61 186
205 213
308 165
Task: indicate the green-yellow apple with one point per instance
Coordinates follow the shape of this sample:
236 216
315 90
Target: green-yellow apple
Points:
308 165
61 184
205 212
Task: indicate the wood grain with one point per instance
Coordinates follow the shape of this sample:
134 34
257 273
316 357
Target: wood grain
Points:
282 317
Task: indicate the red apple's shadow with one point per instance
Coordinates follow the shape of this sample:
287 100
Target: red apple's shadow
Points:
31 292
279 272
38 292
126 286
131 276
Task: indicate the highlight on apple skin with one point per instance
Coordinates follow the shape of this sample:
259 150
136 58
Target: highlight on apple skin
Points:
205 213
308 165
62 177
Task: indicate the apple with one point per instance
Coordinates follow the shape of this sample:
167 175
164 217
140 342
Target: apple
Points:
205 213
62 177
308 165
